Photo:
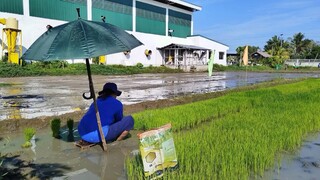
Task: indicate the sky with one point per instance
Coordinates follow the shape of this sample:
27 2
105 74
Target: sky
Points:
253 22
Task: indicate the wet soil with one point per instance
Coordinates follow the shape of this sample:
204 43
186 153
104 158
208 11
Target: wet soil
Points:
181 93
35 97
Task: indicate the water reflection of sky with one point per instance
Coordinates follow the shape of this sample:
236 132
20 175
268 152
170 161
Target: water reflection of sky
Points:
63 95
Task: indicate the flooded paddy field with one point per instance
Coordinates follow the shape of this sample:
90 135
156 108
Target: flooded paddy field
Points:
51 158
302 164
32 97
60 159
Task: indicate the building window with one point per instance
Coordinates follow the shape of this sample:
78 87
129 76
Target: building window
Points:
221 55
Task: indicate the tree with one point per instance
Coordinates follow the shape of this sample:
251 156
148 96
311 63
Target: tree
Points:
251 50
278 57
278 49
314 51
275 44
299 46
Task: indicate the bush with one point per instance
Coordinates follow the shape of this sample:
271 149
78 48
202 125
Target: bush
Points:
139 65
218 67
60 68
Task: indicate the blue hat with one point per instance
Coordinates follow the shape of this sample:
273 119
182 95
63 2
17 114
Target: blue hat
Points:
109 86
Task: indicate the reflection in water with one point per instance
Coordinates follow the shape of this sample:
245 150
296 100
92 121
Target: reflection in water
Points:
51 96
303 164
33 146
14 110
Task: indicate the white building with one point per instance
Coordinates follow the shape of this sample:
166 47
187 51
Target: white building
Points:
165 27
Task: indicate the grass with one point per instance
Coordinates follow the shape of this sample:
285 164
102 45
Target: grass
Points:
5 84
60 68
270 69
236 136
57 68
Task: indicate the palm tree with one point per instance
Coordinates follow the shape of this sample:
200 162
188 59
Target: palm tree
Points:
299 45
273 45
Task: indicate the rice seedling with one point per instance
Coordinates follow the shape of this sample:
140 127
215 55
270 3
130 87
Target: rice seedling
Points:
70 125
237 136
28 134
55 127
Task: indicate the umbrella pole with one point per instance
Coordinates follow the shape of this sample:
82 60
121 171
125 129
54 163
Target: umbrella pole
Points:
93 95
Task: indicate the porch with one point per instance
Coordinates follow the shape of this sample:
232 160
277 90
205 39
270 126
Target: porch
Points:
186 57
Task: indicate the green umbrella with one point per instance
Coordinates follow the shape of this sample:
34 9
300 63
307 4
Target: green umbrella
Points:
82 39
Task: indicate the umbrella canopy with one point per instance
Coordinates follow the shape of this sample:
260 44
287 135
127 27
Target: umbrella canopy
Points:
80 39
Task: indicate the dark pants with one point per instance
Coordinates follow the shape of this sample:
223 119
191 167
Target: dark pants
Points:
126 124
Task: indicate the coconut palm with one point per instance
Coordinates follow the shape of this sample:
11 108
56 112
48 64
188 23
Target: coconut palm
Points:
299 45
273 45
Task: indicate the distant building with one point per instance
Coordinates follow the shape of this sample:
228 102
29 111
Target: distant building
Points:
260 54
165 27
233 58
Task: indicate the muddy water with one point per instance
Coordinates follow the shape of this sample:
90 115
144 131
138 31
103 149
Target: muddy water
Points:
31 97
304 164
54 95
59 158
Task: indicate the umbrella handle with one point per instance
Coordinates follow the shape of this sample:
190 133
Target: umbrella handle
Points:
87 97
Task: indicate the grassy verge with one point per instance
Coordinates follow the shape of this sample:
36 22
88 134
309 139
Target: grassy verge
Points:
270 69
58 69
5 84
237 135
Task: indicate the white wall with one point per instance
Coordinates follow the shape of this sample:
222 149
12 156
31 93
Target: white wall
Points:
213 45
151 42
33 27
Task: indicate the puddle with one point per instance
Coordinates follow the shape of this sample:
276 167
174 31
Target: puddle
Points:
32 97
304 164
60 158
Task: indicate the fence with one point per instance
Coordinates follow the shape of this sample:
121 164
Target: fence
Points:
303 62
